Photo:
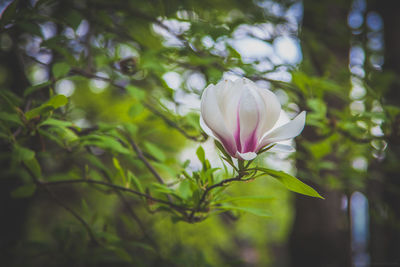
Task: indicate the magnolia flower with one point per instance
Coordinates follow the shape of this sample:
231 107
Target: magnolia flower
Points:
244 118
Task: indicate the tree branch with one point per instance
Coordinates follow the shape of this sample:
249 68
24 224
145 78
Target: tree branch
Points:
63 205
118 187
70 210
140 155
131 212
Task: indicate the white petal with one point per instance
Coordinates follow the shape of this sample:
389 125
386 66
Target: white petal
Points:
273 109
214 120
205 128
270 108
283 119
249 117
285 132
209 132
282 148
229 94
247 156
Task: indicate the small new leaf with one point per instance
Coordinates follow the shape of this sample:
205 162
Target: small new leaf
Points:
54 103
135 181
221 148
60 69
201 154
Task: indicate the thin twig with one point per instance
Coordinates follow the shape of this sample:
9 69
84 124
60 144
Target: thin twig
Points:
131 212
140 155
150 167
36 60
121 188
70 210
91 75
63 205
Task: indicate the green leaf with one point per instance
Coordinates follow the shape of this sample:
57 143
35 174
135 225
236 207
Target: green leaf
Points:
60 69
136 182
105 142
53 103
10 99
58 101
58 43
38 111
27 156
31 27
34 88
22 153
221 148
73 18
135 92
61 135
244 198
161 188
170 170
136 110
24 191
121 253
34 166
255 211
318 106
155 151
320 149
10 117
55 122
130 128
233 53
292 183
185 190
201 154
96 162
117 165
186 164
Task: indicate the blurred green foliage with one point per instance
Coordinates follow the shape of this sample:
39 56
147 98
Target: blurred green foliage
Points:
91 132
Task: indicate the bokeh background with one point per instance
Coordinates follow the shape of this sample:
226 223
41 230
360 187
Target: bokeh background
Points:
141 66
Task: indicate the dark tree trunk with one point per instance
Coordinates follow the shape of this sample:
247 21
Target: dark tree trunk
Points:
320 234
12 211
384 188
